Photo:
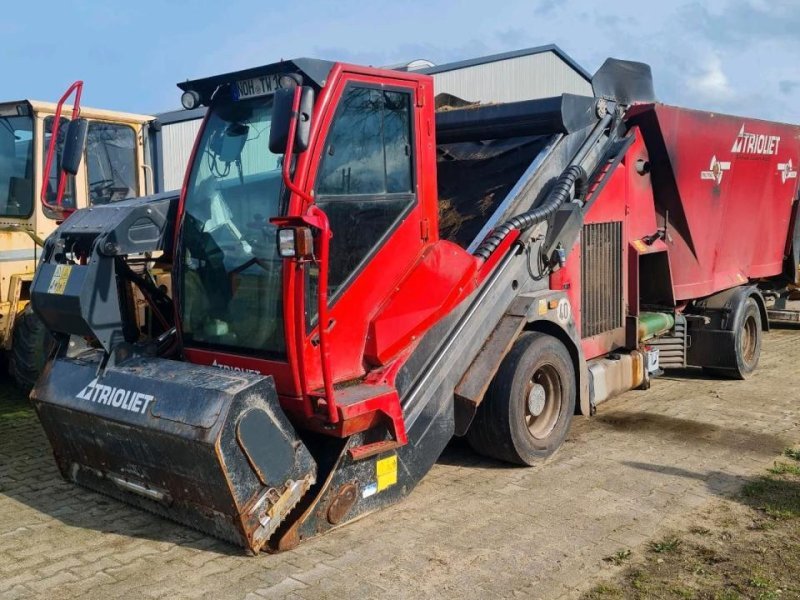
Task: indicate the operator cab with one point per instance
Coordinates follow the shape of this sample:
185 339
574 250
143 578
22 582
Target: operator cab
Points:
240 306
230 280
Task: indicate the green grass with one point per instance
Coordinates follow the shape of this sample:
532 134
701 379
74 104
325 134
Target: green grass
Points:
747 546
682 592
782 468
605 590
15 413
793 453
667 545
759 581
619 557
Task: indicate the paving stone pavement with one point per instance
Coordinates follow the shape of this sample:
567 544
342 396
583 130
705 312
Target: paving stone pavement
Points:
474 528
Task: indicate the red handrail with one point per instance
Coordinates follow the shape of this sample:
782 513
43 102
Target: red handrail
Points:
320 221
77 88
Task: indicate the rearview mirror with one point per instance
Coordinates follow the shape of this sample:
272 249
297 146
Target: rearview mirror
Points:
74 146
282 118
229 145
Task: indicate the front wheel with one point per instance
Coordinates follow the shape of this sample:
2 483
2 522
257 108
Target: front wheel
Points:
31 345
527 410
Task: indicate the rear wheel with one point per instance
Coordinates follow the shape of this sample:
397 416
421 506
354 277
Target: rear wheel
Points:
527 410
747 343
31 345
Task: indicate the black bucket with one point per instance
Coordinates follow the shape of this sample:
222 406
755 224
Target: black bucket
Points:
208 448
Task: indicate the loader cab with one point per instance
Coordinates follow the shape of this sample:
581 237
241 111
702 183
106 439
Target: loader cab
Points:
241 305
112 168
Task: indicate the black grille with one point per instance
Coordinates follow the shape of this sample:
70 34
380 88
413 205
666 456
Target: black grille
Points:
601 278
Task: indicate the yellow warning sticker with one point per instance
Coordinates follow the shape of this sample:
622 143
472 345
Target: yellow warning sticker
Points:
640 246
60 278
386 471
542 307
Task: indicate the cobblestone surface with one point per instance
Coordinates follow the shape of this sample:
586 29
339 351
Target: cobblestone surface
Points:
473 528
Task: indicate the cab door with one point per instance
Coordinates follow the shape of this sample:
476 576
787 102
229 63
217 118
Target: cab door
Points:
367 182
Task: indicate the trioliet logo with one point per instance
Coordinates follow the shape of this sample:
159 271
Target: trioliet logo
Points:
219 365
136 402
755 143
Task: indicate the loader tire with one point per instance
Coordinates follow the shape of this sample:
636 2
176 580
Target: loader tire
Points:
747 344
528 407
31 345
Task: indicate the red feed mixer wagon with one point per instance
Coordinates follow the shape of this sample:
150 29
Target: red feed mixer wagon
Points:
357 277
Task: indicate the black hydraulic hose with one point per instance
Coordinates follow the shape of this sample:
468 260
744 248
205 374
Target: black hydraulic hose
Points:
574 175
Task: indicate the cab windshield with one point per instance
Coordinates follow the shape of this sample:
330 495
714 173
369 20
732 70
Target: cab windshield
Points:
230 280
16 166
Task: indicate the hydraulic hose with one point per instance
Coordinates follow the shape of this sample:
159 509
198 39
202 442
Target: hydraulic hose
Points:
574 175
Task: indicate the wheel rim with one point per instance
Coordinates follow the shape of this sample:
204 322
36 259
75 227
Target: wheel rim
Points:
749 340
543 400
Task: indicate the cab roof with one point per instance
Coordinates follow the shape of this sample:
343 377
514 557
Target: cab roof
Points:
86 111
314 71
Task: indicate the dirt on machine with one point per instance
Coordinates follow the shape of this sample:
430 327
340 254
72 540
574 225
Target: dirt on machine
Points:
357 277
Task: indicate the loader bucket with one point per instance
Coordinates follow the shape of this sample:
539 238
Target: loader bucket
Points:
208 448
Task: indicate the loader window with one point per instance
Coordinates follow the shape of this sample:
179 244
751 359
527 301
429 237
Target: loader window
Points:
365 181
110 162
68 201
16 166
231 274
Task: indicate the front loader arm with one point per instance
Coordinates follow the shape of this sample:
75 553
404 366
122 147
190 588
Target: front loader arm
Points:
76 289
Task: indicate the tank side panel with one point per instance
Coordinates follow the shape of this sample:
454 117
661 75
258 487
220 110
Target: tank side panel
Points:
728 184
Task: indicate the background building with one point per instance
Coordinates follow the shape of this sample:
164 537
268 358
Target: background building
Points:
538 72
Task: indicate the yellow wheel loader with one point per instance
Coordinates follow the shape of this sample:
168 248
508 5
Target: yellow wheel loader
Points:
113 167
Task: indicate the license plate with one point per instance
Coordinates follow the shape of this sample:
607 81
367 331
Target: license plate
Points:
258 86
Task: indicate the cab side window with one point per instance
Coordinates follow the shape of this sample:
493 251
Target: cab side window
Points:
365 180
110 162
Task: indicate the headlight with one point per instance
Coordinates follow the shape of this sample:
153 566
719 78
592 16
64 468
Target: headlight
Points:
290 81
190 99
286 243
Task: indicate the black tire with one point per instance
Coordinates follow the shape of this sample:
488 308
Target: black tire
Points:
31 345
747 343
512 424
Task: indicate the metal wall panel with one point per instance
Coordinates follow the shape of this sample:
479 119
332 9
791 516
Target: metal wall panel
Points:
539 75
177 141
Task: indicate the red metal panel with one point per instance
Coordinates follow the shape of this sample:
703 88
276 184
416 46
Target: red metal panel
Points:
729 184
443 276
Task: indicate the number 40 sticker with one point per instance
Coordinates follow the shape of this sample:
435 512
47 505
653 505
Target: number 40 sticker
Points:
564 311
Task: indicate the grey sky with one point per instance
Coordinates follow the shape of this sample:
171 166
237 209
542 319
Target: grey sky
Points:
734 56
